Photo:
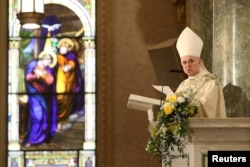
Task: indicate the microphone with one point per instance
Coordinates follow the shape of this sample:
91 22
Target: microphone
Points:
162 86
178 71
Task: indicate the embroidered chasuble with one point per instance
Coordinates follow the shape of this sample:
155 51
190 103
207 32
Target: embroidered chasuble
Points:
208 93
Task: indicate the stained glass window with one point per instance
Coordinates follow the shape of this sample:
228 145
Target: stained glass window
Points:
52 87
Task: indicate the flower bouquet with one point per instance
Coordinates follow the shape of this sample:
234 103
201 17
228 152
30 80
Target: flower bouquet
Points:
170 130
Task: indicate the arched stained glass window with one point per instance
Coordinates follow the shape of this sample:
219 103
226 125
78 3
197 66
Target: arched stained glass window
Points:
52 87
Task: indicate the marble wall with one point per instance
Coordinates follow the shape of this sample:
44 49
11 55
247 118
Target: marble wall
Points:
232 53
224 27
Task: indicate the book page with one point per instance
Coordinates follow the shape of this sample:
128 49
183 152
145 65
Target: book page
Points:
163 89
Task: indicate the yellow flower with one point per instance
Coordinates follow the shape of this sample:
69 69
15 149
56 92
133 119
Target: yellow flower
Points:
172 98
168 109
154 131
173 128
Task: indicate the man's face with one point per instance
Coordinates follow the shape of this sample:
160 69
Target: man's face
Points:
190 65
63 50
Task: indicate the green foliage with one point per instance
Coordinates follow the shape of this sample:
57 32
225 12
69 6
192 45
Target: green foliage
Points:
170 130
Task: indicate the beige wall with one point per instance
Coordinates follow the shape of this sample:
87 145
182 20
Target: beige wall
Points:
136 25
133 27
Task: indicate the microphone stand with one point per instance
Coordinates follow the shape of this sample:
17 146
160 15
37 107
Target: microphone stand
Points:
163 82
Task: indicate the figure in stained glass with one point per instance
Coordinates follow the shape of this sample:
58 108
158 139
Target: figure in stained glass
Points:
40 85
70 85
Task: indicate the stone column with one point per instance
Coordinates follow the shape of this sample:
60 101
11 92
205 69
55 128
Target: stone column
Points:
224 27
231 53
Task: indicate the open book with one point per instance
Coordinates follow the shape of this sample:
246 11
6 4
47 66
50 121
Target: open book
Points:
143 103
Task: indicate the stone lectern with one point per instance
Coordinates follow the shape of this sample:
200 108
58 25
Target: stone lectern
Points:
227 134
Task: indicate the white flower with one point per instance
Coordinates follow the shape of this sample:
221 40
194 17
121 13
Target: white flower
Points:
180 99
186 95
164 130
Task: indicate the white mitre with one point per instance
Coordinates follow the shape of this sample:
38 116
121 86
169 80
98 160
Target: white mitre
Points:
189 43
